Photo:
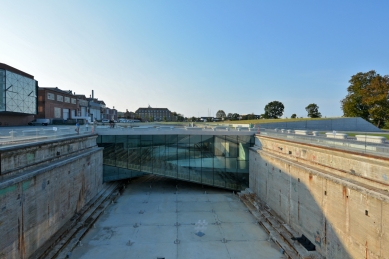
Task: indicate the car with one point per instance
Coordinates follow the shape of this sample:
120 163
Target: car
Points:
43 122
105 121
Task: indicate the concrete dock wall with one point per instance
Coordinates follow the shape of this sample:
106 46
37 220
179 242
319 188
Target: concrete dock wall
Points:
339 200
42 187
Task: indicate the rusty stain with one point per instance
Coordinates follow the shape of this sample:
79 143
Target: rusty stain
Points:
367 251
344 191
310 177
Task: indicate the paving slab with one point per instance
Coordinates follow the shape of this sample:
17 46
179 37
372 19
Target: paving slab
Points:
162 222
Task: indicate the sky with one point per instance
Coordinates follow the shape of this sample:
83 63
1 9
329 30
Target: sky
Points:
198 57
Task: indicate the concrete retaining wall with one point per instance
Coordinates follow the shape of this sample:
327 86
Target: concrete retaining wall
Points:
338 199
340 124
36 201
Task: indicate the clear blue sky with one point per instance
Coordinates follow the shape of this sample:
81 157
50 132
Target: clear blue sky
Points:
199 56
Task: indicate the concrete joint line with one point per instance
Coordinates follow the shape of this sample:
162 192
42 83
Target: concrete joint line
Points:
331 177
36 171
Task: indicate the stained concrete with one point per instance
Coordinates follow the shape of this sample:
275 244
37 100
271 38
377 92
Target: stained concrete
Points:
142 224
338 199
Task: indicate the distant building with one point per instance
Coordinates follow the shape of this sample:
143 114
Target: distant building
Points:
54 103
156 114
129 115
18 96
95 108
109 114
83 103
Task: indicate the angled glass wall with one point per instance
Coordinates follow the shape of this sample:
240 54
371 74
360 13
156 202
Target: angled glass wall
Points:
17 93
217 160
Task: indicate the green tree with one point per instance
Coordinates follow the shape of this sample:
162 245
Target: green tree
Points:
251 116
313 111
375 96
235 116
220 114
274 110
180 117
353 105
367 97
293 116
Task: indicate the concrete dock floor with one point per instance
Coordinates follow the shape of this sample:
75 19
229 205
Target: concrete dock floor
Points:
156 217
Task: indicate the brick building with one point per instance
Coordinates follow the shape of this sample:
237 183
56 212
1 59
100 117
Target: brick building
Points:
54 103
154 114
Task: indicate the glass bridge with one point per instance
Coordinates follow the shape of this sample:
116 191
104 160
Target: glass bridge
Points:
209 158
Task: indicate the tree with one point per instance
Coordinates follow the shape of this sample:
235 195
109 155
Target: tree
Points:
274 110
229 115
293 116
180 117
353 105
235 116
313 111
367 97
220 114
251 116
375 96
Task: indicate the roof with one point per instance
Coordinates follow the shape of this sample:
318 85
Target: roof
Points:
14 70
56 89
149 108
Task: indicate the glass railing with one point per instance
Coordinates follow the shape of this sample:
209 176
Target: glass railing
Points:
22 135
361 143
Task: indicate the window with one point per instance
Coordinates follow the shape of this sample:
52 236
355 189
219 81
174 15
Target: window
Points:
59 98
50 96
67 99
57 112
74 101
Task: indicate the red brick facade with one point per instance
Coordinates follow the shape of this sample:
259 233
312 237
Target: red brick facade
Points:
54 103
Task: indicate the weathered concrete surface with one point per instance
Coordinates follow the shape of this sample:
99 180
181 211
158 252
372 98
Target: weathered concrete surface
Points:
143 224
338 199
41 190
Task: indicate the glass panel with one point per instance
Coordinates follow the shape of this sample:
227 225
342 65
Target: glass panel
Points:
219 174
133 146
195 150
20 93
183 156
2 90
146 143
159 154
121 153
108 143
220 146
171 166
